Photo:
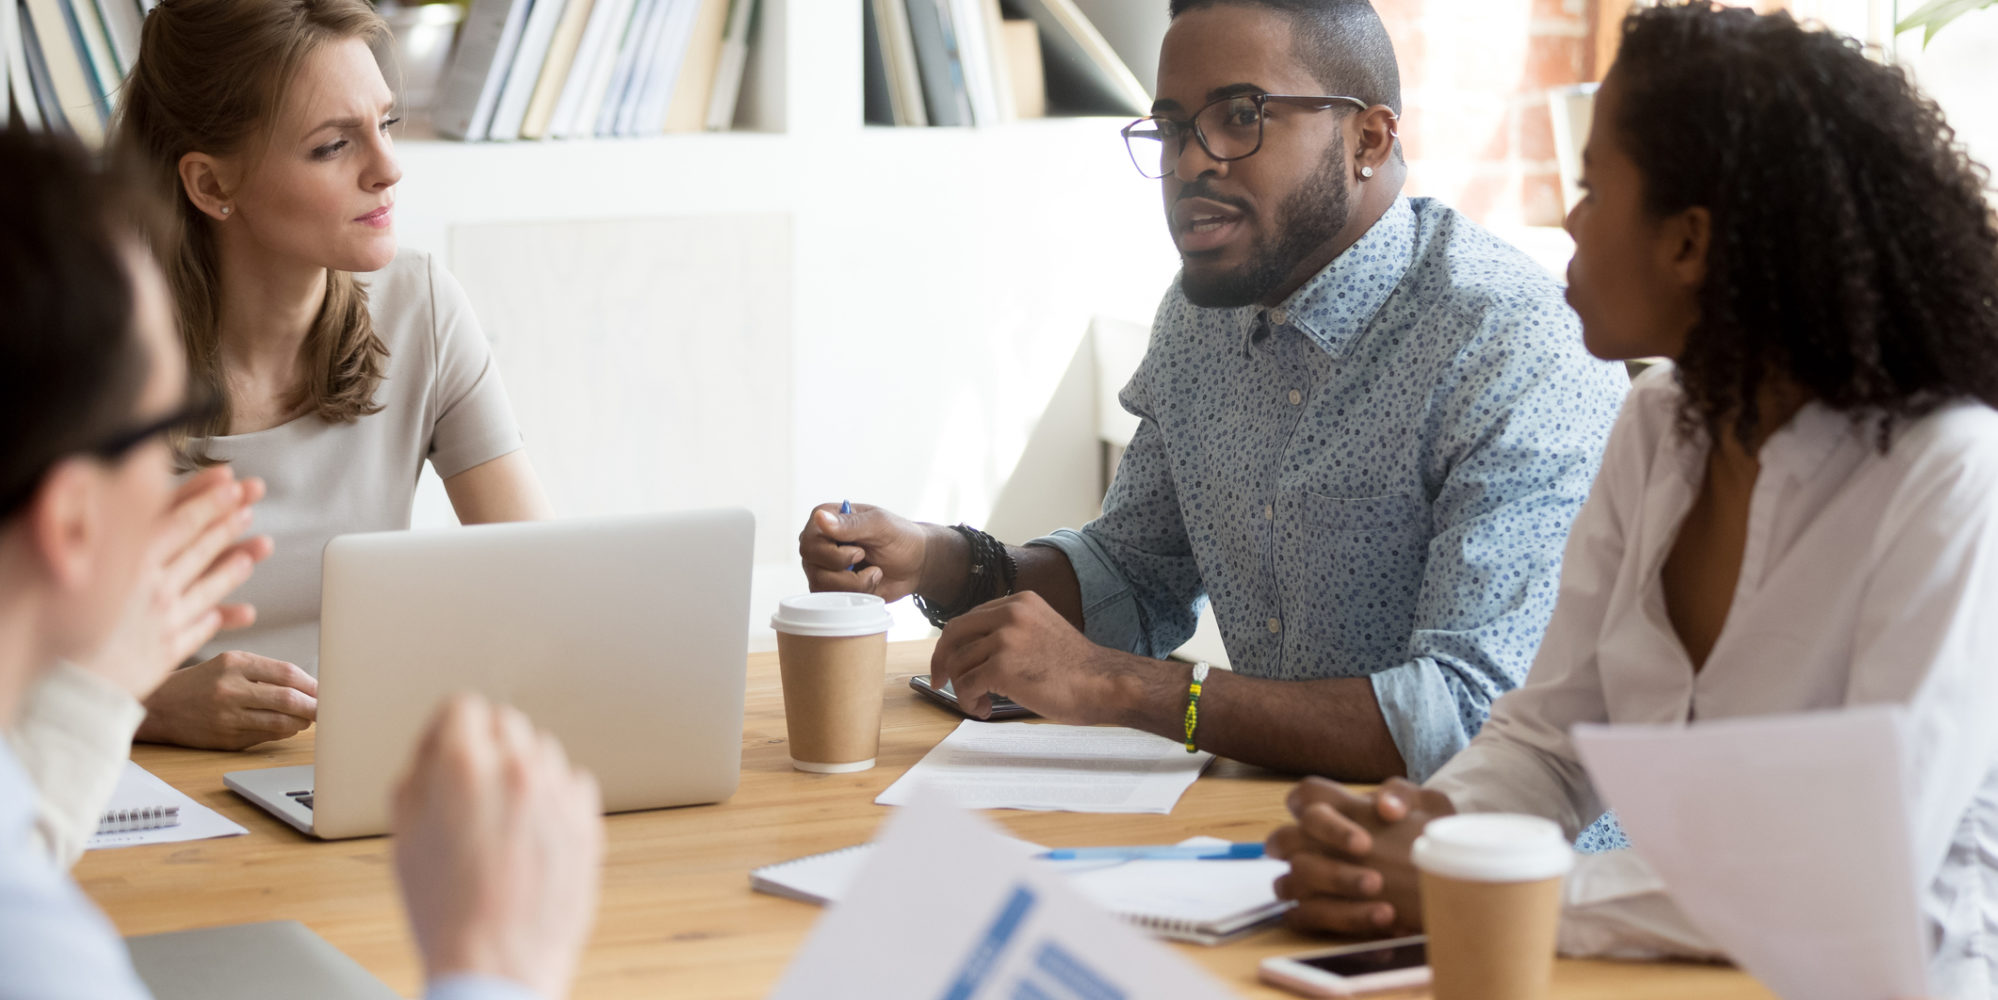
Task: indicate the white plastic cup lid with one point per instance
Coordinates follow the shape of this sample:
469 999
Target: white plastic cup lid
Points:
831 615
1494 847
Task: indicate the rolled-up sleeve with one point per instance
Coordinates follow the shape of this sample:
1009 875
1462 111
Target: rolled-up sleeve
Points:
73 737
1141 586
1518 435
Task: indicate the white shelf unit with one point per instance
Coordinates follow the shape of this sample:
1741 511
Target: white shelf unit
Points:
806 311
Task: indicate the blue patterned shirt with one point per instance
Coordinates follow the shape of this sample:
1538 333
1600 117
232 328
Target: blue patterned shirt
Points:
1373 479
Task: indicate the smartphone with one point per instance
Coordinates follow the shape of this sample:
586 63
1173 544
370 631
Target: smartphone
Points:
1353 970
1002 707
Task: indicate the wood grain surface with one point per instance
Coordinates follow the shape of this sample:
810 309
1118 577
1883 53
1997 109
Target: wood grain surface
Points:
678 917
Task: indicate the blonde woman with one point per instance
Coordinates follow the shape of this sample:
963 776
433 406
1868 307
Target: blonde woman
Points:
343 364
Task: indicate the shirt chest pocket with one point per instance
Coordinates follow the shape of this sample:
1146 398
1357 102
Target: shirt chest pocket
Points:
1349 571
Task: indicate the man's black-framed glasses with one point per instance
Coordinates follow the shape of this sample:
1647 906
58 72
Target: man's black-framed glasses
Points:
193 416
1228 129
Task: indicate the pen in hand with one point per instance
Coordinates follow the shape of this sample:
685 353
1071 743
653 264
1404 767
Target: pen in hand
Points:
847 508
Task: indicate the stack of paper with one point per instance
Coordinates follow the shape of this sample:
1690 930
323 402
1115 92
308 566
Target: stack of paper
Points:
1051 768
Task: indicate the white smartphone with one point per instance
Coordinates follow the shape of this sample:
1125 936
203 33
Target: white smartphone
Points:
1353 970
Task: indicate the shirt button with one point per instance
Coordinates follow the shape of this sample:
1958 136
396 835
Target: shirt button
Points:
1276 625
1279 316
1269 512
1296 397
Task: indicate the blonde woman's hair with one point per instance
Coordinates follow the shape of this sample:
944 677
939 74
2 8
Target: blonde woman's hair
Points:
211 77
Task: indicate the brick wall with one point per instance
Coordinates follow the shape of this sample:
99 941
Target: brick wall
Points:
1475 76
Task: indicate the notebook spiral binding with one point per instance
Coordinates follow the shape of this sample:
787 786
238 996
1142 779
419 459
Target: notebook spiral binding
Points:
143 818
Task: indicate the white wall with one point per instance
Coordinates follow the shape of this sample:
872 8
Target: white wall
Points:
899 304
1960 70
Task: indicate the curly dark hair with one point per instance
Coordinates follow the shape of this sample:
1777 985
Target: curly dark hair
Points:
1852 247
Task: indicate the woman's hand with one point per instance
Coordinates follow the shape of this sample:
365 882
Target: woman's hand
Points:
1351 867
232 702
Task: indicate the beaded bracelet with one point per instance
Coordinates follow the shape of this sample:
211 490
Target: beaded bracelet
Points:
992 576
1193 703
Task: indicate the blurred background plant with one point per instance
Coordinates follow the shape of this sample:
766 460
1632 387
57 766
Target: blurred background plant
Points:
1932 16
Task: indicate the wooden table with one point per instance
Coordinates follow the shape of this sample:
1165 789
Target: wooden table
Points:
678 918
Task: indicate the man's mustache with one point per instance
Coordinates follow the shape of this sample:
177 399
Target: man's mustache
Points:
1202 189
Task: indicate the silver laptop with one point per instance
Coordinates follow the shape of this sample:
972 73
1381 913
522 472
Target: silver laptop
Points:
281 958
626 637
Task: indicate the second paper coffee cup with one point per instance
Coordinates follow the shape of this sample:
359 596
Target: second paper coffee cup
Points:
1491 902
832 650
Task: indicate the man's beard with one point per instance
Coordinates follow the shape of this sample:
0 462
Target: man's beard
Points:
1309 217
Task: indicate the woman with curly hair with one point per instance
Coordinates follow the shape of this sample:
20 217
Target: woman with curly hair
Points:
1799 512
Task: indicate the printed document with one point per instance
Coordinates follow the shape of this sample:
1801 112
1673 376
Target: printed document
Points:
1784 838
1049 768
944 909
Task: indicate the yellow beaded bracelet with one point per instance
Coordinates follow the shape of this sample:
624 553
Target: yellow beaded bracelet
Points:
1193 703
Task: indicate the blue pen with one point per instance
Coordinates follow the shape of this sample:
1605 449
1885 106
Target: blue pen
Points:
847 508
1159 852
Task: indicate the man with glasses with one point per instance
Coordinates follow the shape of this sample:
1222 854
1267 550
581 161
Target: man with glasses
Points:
100 551
1365 427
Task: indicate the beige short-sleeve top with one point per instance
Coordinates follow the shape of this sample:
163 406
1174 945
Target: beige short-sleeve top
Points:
441 400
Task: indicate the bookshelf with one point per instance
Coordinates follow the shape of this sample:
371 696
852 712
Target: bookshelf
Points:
805 309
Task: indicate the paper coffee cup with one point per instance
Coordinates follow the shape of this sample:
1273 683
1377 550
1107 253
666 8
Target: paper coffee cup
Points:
832 650
1491 903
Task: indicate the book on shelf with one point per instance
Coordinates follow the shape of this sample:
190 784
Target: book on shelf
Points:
70 94
122 21
529 55
645 20
878 104
562 48
695 88
1029 79
1084 74
96 46
606 25
521 69
937 57
975 60
644 113
898 53
734 62
478 70
10 63
29 75
985 62
998 63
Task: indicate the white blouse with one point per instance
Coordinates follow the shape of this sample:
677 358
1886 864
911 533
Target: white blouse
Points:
1867 578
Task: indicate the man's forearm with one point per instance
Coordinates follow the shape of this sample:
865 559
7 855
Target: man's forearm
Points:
1330 727
1041 569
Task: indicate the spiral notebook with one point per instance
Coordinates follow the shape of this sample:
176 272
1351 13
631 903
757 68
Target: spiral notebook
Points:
134 818
145 810
1204 902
